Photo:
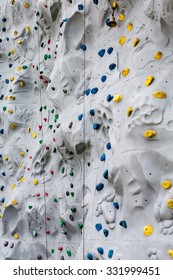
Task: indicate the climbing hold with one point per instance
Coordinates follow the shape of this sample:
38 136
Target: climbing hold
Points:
87 91
112 66
170 252
122 40
108 146
166 184
14 202
125 72
80 117
34 134
110 254
129 111
92 112
103 157
123 223
110 50
96 2
158 55
83 47
121 17
117 98
149 80
22 154
16 236
148 230
94 90
170 203
22 84
68 253
135 42
100 250
116 205
96 126
35 182
99 187
101 53
98 227
80 7
105 174
80 226
129 26
109 98
105 232
103 78
13 125
89 256
149 133
160 94
26 5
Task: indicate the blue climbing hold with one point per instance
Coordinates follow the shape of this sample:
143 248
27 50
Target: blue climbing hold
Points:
110 254
65 19
112 66
103 78
106 232
2 188
103 157
87 91
100 250
96 2
107 21
105 174
83 47
90 256
96 126
116 205
94 90
109 98
3 174
4 19
3 29
80 117
92 112
123 224
98 227
101 53
99 187
80 7
1 131
7 81
108 146
3 200
110 50
10 65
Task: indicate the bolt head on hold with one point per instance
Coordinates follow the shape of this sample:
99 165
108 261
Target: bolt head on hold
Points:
112 22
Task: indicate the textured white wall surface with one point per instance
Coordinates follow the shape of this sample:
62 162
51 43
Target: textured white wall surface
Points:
86 129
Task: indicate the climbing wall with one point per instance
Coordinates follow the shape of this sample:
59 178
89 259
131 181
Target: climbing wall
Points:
86 129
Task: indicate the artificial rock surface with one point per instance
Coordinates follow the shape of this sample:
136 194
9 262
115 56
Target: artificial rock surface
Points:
86 129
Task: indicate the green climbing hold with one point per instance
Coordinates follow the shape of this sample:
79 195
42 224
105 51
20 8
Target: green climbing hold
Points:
45 57
62 223
62 170
68 253
52 111
24 67
41 141
73 209
55 199
30 206
37 13
71 173
45 107
72 194
50 126
56 117
41 108
52 251
4 108
80 226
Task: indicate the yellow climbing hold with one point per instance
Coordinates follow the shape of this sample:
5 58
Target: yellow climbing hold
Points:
16 235
121 17
26 5
125 72
114 5
19 42
13 125
19 68
22 179
158 55
170 203
117 98
129 111
1 215
34 134
22 84
122 40
13 186
10 111
6 158
166 184
28 28
148 230
29 129
22 154
11 79
160 94
149 133
170 252
135 42
12 97
149 80
15 33
20 165
6 97
35 182
5 206
129 26
14 202
12 51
